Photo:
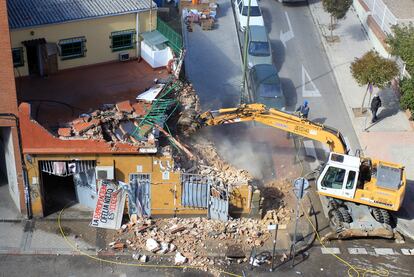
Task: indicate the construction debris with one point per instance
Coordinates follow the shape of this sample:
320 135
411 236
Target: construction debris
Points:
179 259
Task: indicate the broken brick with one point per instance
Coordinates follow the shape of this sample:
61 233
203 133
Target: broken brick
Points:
177 229
65 132
82 127
141 108
124 106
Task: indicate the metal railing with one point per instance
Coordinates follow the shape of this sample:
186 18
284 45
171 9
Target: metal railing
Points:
175 41
382 15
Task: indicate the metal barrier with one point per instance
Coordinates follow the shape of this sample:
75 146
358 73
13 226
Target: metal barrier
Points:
175 41
382 15
195 190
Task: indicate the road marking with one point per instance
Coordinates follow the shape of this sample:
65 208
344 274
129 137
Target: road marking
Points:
385 251
286 36
409 252
331 250
306 80
357 251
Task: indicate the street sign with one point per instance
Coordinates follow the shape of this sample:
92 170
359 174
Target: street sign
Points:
300 186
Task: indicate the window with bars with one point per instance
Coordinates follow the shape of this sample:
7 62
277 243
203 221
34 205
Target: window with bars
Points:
72 48
122 40
17 54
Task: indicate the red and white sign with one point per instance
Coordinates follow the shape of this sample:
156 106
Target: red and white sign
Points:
110 205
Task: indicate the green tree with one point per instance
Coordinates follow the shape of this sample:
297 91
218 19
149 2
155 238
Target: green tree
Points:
337 9
407 94
373 70
402 44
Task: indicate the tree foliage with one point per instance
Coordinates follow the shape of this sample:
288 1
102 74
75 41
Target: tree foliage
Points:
337 8
407 91
402 44
373 69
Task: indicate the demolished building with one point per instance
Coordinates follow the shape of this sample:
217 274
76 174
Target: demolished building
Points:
122 142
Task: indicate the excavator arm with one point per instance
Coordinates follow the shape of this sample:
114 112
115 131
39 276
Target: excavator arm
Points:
277 119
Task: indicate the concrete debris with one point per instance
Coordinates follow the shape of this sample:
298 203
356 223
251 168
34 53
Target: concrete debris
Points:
210 163
190 109
136 256
179 259
143 259
117 245
165 247
152 245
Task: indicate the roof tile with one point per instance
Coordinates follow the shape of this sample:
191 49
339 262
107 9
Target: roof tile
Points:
28 13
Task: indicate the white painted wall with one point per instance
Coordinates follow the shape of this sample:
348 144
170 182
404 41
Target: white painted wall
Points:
10 164
155 58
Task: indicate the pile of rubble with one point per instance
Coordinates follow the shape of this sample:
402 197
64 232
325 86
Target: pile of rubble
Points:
190 240
190 109
112 123
279 202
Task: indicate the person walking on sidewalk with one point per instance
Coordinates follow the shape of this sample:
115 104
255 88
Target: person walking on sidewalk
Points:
375 104
303 109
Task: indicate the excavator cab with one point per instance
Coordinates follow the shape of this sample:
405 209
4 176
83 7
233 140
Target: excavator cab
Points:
339 176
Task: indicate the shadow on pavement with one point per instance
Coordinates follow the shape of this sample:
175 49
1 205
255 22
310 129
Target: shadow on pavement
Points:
290 93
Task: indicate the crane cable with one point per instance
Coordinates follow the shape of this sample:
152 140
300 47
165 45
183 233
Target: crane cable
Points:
352 270
129 264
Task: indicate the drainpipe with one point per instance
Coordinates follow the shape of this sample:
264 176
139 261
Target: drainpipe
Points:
25 176
138 50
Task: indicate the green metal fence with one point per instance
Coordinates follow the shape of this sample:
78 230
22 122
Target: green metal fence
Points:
175 41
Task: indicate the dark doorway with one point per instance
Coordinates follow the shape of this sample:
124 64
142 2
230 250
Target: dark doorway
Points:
36 51
32 59
58 193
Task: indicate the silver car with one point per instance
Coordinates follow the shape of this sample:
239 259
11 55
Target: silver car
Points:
258 46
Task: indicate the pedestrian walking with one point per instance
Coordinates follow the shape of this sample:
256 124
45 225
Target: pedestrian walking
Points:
303 109
375 104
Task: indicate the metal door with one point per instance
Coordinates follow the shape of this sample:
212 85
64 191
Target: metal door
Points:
85 184
218 203
195 190
139 199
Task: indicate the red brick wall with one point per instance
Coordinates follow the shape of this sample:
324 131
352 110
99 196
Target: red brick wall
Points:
8 103
8 100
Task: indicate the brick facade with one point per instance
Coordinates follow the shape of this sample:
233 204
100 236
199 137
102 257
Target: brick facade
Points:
8 103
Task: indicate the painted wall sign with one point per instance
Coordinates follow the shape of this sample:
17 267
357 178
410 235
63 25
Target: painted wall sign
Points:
110 205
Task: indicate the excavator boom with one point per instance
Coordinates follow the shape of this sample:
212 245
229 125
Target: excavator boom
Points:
281 120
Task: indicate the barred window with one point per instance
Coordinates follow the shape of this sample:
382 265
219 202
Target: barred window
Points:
72 48
122 40
17 54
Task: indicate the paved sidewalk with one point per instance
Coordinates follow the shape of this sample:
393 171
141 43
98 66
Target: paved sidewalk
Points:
392 138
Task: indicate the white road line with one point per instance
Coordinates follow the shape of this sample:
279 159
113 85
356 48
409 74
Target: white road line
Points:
385 251
330 250
306 80
290 25
286 36
408 252
357 251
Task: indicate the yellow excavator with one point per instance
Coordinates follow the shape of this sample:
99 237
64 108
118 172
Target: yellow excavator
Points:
356 188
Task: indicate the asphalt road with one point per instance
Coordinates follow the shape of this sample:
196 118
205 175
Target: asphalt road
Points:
303 66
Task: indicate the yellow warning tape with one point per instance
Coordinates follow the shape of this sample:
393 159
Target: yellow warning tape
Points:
125 263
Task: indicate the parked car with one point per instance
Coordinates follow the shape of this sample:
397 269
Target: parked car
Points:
265 86
241 8
258 46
